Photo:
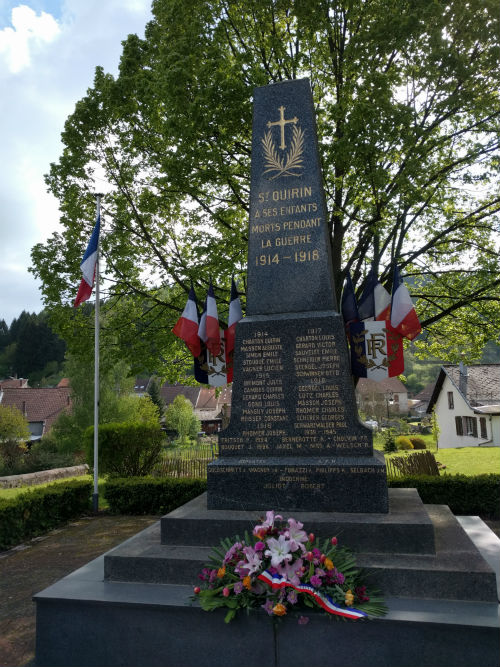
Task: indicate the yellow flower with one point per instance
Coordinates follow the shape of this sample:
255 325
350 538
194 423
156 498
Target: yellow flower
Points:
279 609
328 564
247 582
221 572
349 598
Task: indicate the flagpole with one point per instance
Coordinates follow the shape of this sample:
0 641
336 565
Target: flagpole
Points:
95 496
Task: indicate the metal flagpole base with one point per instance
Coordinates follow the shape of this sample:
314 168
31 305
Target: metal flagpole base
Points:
95 502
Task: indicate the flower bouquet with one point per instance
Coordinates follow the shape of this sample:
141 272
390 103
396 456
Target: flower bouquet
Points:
279 567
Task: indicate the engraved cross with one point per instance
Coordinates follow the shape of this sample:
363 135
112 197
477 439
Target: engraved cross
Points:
282 122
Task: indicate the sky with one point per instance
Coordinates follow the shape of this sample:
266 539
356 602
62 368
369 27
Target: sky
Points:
49 50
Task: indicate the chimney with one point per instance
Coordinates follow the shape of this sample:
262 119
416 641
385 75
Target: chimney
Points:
462 380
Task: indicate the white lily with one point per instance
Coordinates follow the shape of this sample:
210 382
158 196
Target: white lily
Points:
279 550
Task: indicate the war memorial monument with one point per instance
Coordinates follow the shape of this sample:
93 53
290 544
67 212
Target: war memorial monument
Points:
294 443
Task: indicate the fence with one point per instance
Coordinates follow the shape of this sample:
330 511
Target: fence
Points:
421 463
187 461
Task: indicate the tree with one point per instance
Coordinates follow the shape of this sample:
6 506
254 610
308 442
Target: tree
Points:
180 417
4 335
14 432
29 347
406 96
116 401
155 396
13 424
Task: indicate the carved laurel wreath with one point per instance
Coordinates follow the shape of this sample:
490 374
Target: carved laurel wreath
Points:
290 162
361 358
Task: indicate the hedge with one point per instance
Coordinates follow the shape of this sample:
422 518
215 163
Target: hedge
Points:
151 495
475 495
39 510
126 449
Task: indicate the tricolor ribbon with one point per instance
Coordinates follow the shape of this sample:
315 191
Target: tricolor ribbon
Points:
276 581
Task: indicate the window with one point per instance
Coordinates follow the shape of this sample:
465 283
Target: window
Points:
482 426
451 404
471 426
459 425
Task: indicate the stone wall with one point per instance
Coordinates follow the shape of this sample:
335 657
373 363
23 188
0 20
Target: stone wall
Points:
42 476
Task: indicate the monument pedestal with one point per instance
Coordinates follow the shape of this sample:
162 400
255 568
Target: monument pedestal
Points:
340 484
295 441
131 607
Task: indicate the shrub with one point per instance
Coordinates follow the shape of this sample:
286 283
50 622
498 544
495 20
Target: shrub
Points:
417 442
39 510
12 453
125 449
148 495
475 495
389 441
402 442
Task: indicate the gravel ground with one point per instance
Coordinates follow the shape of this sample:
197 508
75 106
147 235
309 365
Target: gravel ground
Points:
31 567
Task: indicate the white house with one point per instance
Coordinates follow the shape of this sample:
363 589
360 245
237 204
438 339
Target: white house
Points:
467 405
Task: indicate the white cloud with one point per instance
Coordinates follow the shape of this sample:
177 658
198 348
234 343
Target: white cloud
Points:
28 34
46 66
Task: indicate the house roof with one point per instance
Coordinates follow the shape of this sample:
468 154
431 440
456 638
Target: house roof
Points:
367 386
425 394
20 383
482 386
63 382
170 391
488 410
38 405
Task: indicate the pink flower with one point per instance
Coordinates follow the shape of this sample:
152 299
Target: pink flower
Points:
268 607
259 546
254 560
334 541
232 552
226 592
293 571
315 581
296 535
267 525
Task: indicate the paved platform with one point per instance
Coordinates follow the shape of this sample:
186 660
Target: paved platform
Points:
86 619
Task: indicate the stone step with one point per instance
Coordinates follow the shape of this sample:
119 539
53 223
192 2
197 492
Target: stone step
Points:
406 528
456 572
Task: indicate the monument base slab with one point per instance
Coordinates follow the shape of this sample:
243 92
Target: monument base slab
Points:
133 606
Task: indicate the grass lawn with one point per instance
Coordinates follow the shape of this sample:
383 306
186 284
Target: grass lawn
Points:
463 460
470 460
12 493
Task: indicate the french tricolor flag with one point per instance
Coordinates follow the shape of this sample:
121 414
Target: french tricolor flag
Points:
88 266
186 327
375 302
208 330
404 318
349 305
235 315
